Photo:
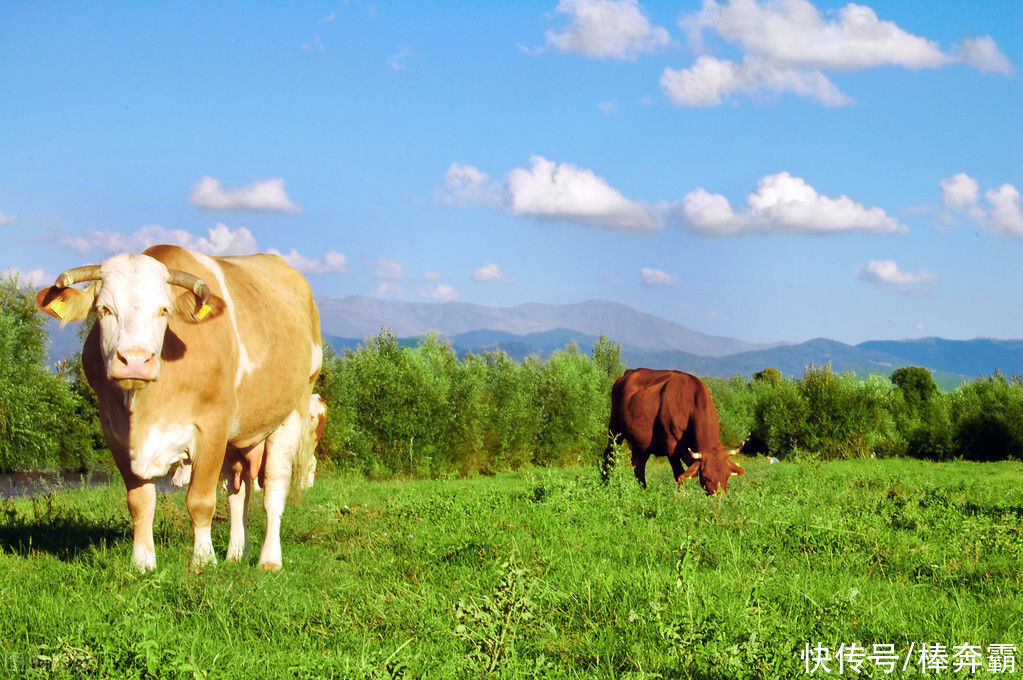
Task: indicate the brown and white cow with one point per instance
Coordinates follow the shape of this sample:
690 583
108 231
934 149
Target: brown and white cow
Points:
200 361
670 413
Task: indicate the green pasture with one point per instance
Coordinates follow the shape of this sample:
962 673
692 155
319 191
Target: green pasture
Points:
541 573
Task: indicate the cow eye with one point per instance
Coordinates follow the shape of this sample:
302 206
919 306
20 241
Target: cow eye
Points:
164 311
105 311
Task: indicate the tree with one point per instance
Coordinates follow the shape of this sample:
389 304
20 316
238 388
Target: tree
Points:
917 385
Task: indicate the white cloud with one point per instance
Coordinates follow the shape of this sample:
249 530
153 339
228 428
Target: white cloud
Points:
886 273
315 45
389 289
566 192
607 108
387 269
260 196
487 272
36 278
7 219
787 44
222 240
607 29
329 18
959 190
465 184
781 203
1003 214
440 292
656 277
794 34
983 54
433 275
710 81
332 261
397 61
1006 214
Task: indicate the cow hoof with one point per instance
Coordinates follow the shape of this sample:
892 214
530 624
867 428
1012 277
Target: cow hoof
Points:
270 566
144 560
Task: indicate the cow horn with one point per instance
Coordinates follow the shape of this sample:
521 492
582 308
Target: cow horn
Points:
192 283
695 454
90 272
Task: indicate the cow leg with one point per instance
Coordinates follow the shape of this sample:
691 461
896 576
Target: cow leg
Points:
201 500
281 447
639 459
677 467
142 506
238 502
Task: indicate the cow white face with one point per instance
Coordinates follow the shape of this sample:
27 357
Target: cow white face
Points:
133 304
135 297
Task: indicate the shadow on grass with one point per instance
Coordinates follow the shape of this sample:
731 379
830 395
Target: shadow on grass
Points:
64 538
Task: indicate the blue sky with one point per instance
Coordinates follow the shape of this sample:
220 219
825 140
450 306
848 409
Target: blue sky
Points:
757 169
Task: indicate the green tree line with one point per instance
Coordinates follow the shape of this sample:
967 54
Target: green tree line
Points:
425 411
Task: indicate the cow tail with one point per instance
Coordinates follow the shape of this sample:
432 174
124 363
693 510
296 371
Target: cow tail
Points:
304 462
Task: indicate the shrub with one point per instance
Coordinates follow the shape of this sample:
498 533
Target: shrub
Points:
44 422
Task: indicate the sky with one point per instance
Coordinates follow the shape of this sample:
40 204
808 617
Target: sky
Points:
769 170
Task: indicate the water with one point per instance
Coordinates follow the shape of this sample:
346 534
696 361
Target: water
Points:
18 484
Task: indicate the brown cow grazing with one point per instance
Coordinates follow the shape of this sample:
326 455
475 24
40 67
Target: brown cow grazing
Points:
200 361
670 413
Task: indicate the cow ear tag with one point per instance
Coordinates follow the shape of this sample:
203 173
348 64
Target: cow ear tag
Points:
57 307
203 311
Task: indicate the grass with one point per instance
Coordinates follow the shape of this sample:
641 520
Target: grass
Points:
537 574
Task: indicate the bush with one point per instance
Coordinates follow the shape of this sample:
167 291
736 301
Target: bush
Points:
45 421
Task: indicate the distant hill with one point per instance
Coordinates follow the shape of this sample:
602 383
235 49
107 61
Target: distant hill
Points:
968 357
359 317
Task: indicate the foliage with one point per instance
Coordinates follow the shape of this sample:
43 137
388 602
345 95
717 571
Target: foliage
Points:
45 421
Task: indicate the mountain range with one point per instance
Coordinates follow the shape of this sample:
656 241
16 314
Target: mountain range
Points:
646 339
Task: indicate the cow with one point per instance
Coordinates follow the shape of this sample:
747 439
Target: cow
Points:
201 361
670 413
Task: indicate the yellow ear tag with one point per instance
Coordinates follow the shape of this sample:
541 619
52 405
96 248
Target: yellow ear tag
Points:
203 311
57 307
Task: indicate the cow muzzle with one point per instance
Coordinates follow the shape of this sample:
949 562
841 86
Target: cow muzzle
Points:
134 369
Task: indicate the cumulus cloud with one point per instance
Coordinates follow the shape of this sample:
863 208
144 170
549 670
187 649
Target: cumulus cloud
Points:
7 219
221 240
35 278
710 81
386 269
959 190
606 29
551 191
1003 213
464 184
547 190
781 203
1006 213
787 45
983 54
332 261
260 196
887 274
487 272
440 292
656 277
433 275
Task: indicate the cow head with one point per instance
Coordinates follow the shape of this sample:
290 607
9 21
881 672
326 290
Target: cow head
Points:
134 297
715 467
